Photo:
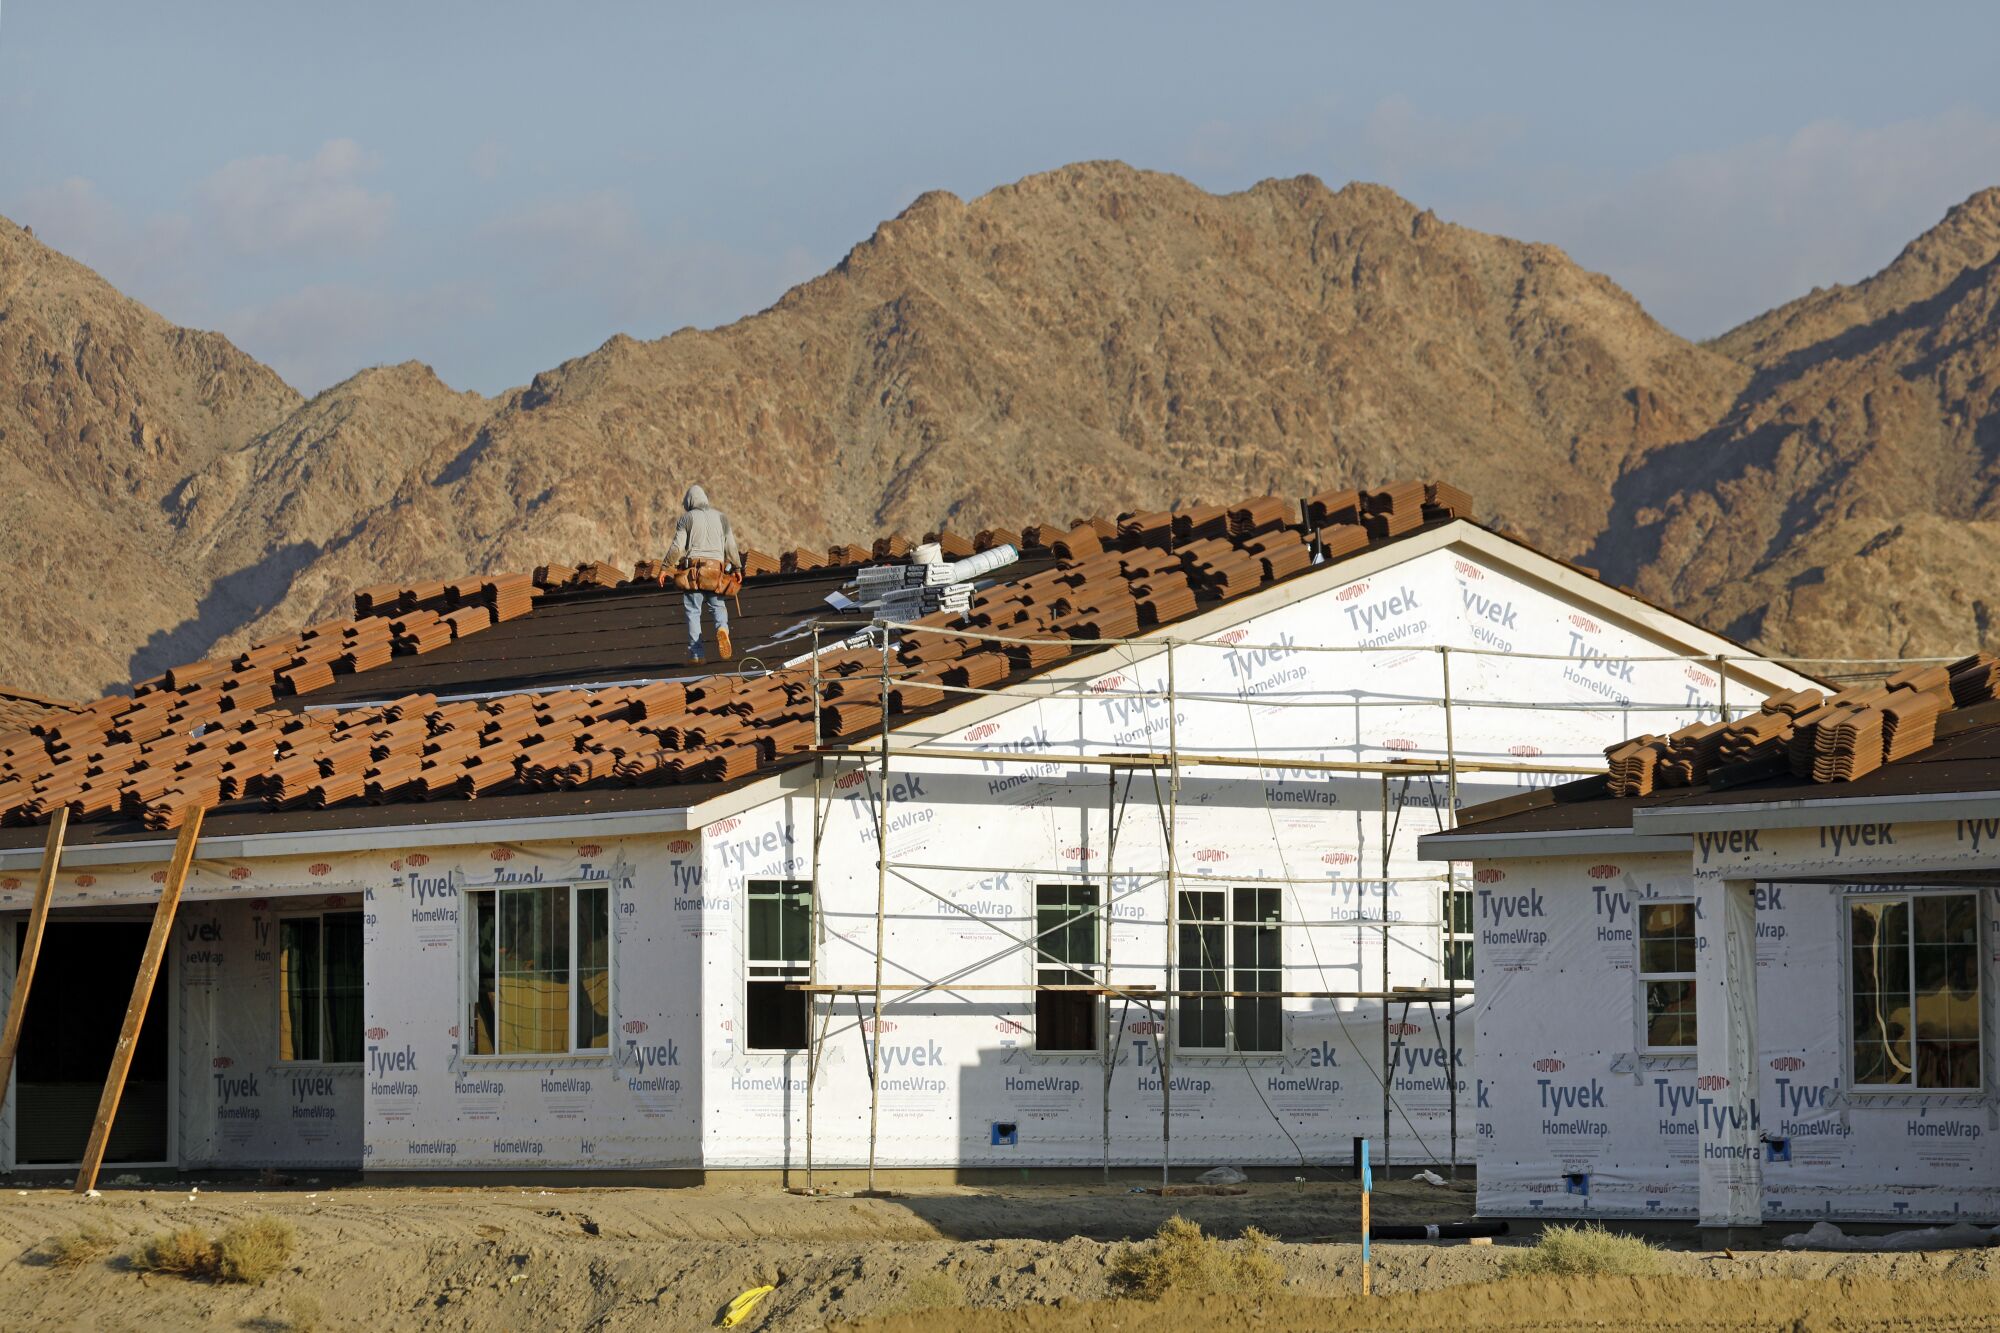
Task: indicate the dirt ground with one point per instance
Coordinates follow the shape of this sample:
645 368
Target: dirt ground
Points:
1014 1258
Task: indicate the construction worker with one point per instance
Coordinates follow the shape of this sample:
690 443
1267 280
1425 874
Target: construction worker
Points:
705 565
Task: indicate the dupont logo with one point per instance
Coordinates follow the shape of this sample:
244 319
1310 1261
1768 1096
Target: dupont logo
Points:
1237 635
10 884
590 849
396 864
451 1031
724 825
418 859
854 779
885 1025
1404 1029
1466 569
318 868
1712 1082
1488 875
1549 1065
336 900
985 729
502 853
239 872
1399 743
1698 676
680 846
1350 592
259 904
1107 683
376 1034
1787 1064
159 877
85 881
1008 1027
1525 751
635 1025
1211 854
1586 624
1081 853
1605 871
1339 858
221 1062
1657 1188
1149 1028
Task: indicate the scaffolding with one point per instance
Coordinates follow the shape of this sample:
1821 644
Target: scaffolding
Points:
1165 768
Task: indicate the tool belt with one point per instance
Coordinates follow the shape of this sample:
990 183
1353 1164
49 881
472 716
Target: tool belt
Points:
710 576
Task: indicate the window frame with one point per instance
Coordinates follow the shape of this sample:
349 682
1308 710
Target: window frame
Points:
1850 1052
361 1045
1641 977
469 973
1045 969
1455 942
1231 1008
778 971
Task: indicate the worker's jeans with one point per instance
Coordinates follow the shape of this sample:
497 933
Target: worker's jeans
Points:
691 604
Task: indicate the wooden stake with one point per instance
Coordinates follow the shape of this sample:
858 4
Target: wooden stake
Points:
142 994
31 944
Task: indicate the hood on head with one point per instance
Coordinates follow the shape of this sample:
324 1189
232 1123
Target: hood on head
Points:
696 498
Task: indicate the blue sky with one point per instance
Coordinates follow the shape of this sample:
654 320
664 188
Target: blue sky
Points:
493 188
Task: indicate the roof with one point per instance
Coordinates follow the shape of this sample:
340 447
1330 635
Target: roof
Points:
588 702
20 710
564 697
1925 732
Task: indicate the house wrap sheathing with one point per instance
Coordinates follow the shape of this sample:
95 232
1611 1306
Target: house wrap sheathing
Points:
1548 668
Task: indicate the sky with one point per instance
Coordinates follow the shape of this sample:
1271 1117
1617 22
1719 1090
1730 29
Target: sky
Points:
495 188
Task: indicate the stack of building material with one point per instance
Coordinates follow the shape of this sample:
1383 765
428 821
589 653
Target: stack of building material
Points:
1442 500
1260 515
1974 679
1200 523
1154 528
1848 745
1334 508
1909 721
1689 754
1632 764
1394 510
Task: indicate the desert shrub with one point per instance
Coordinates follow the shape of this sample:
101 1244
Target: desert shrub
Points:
1586 1251
73 1249
184 1252
248 1251
253 1249
1180 1258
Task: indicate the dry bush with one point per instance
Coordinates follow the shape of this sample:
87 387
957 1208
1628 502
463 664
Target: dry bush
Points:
1588 1251
252 1250
73 1249
1180 1258
184 1252
249 1251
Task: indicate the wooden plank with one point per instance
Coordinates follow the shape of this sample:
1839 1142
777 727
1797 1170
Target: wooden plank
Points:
142 994
31 944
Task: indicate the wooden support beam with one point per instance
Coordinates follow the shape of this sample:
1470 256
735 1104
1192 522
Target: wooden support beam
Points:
142 994
31 944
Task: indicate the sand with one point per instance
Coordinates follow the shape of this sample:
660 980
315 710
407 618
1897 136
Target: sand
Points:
1022 1257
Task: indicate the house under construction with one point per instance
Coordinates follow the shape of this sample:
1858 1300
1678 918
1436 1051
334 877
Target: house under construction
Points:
487 878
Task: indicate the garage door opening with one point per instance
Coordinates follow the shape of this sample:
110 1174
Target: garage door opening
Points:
83 984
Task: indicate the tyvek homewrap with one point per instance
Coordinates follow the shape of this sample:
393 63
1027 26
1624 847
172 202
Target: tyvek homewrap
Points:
1573 1119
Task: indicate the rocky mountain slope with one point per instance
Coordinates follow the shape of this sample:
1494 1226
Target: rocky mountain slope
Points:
1092 338
104 409
1846 504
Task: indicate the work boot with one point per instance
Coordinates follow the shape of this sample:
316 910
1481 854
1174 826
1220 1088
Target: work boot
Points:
723 650
694 654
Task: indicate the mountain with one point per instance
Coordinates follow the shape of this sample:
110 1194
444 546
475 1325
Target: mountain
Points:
1089 339
104 409
1846 503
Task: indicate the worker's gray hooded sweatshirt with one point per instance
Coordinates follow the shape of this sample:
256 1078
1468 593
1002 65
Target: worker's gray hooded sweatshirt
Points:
702 532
